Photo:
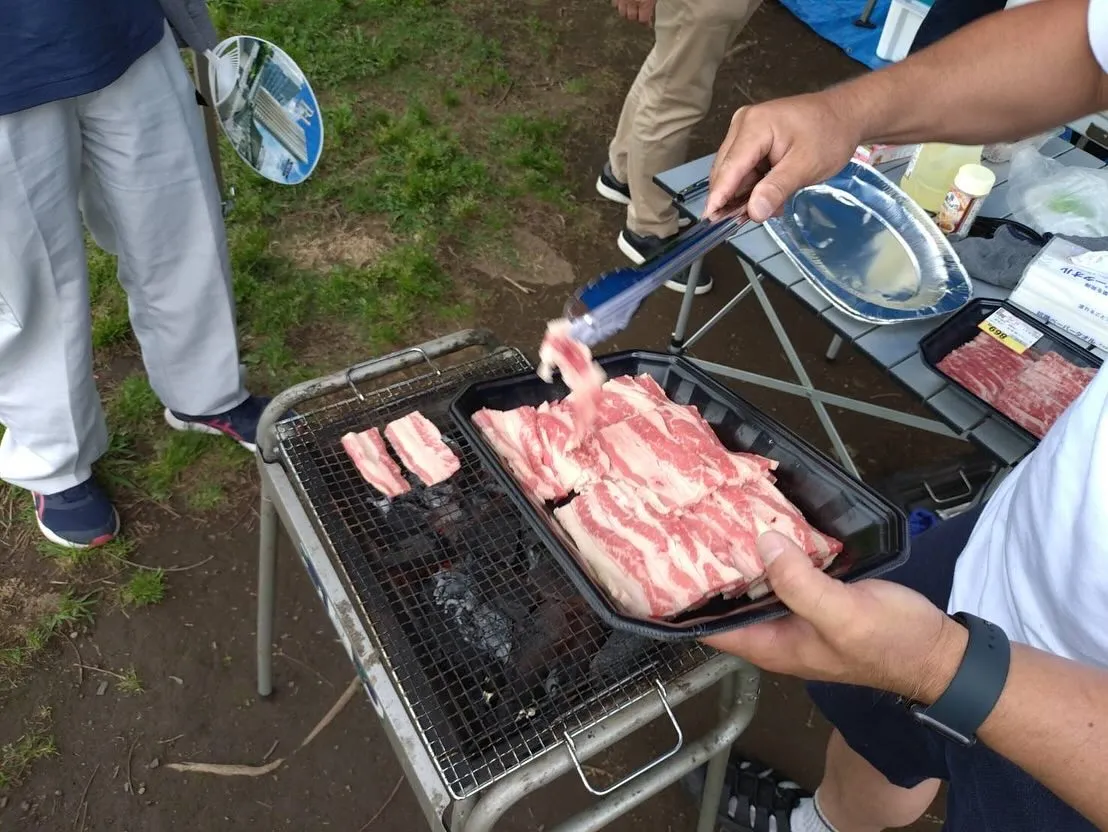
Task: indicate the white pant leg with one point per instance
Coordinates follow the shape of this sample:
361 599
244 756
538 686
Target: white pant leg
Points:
48 400
151 197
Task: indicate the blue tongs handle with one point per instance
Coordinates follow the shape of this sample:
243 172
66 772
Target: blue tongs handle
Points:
604 306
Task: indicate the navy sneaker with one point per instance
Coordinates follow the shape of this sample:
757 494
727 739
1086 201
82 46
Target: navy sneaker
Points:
79 517
239 423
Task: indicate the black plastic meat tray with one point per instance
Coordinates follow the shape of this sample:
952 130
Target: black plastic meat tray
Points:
873 530
961 328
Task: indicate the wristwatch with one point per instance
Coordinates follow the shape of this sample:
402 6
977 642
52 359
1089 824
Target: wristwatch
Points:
973 692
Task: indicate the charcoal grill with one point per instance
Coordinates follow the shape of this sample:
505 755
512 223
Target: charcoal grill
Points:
490 674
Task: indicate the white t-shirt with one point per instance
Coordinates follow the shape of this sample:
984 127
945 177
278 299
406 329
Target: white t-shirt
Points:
1037 560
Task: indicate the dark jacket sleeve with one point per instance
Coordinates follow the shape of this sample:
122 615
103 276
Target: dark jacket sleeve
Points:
191 23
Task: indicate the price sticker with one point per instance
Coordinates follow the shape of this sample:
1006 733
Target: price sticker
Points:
1009 330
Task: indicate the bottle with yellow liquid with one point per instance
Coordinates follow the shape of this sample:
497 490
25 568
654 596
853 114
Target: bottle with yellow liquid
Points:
932 170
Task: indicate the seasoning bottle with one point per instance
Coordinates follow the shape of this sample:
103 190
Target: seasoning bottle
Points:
963 202
932 169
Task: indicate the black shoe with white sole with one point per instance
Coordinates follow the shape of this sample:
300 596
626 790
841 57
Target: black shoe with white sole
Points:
640 248
615 191
611 188
681 282
755 797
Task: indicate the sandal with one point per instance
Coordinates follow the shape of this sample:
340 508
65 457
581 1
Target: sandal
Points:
753 795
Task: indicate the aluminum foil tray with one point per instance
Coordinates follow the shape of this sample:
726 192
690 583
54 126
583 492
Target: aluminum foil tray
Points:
870 250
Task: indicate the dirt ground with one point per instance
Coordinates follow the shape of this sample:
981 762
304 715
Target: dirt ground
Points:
194 651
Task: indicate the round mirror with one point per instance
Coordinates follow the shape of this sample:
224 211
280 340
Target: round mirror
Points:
266 108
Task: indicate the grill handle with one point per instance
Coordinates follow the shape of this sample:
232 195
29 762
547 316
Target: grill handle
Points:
367 371
365 365
572 749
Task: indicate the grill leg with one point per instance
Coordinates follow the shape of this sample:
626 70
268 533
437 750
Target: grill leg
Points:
267 574
717 766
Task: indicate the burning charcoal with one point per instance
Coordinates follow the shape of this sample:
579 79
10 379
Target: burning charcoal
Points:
399 518
547 576
478 624
617 658
433 496
559 683
448 520
490 547
416 547
516 605
541 642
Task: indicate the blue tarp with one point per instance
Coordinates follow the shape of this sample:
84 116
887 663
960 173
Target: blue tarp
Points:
833 20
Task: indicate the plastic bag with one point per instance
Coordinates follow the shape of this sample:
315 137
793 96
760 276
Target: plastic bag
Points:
1003 152
1053 198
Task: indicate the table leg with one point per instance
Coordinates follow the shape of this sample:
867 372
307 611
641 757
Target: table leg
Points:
798 367
865 21
677 340
833 350
267 575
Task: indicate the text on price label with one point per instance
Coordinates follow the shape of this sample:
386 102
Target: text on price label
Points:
1015 334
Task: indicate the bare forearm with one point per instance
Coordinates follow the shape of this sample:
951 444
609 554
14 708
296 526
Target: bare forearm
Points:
978 85
1051 721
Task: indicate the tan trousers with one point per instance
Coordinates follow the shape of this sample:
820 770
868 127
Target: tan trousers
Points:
671 94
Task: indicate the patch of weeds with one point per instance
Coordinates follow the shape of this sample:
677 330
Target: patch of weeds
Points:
175 454
530 150
128 682
422 178
116 470
145 587
73 559
71 611
133 405
388 296
206 496
577 86
35 743
110 323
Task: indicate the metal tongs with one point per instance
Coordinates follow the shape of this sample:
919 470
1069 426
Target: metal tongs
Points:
604 307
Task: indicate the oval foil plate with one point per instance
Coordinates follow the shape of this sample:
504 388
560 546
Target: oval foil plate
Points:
870 250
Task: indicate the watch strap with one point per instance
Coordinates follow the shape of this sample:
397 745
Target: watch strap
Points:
976 687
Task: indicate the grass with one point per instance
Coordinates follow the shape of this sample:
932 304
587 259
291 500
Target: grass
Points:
145 587
35 743
128 682
421 147
433 150
70 611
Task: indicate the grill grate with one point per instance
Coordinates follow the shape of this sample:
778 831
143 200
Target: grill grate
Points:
488 643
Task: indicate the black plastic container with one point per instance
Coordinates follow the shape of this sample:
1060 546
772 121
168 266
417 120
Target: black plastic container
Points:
873 530
961 328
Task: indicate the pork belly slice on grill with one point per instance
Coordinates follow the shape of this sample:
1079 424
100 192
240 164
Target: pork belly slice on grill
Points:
419 445
370 456
651 565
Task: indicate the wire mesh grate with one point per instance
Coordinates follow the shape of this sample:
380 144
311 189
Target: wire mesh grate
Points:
488 643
